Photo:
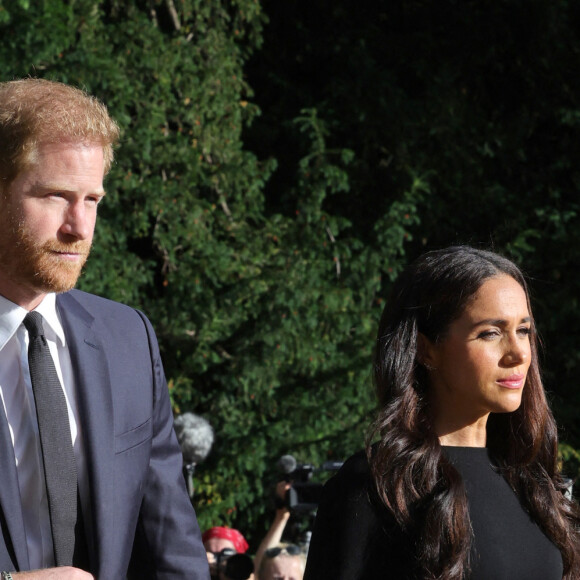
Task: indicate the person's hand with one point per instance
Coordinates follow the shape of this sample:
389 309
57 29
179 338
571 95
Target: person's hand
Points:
61 573
212 561
282 488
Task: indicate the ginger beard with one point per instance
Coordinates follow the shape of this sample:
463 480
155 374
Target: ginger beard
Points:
38 265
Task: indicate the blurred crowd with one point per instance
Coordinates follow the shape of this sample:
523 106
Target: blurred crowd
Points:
227 550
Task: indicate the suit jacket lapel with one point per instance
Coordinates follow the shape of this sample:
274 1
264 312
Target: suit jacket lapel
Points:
10 503
96 416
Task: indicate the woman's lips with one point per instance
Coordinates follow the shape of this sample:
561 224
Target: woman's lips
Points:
512 382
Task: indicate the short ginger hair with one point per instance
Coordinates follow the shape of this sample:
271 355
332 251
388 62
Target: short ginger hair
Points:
34 111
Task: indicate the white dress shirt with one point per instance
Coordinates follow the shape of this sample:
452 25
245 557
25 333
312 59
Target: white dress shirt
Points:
18 403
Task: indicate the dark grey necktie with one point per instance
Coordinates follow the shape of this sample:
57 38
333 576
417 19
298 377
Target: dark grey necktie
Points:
55 441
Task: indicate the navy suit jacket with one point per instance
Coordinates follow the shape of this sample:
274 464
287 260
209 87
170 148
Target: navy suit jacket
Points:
142 524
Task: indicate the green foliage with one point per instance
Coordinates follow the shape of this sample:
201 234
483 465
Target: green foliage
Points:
570 458
265 318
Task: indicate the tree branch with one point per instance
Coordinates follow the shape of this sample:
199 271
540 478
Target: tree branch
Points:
336 257
173 13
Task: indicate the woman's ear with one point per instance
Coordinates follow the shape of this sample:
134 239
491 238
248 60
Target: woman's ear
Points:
426 355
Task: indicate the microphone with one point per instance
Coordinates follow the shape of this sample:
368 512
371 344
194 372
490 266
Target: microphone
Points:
195 436
286 464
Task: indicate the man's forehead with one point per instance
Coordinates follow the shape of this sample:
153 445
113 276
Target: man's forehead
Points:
45 183
62 166
54 147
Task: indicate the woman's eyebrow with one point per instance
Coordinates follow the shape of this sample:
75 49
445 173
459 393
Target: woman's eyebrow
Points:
500 321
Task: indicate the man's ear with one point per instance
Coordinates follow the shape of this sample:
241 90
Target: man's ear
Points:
426 352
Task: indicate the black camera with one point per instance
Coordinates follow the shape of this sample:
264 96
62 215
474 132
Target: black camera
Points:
234 566
304 495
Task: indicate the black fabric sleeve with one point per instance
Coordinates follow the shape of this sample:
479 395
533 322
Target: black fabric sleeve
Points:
353 538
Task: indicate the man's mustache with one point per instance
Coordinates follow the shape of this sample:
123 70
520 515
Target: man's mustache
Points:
78 247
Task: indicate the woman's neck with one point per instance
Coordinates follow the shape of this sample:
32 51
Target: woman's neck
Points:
473 434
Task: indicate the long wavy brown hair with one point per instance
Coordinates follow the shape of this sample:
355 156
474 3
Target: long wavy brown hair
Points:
413 478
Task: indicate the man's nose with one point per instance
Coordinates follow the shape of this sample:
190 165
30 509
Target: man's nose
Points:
78 221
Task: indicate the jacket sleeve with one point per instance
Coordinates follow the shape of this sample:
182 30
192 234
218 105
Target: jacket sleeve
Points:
167 542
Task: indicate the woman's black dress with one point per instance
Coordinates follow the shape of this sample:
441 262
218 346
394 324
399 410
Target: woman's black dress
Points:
354 538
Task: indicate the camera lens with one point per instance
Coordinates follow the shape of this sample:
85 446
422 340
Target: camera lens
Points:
239 567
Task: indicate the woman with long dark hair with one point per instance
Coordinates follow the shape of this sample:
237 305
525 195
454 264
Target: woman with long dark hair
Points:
462 481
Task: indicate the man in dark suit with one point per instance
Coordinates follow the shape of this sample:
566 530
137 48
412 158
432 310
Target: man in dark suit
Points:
129 515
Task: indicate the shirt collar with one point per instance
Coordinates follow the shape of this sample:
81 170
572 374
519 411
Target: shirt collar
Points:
12 315
48 310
